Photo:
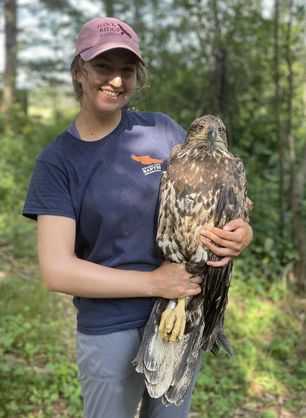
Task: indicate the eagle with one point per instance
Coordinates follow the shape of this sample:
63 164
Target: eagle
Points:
204 186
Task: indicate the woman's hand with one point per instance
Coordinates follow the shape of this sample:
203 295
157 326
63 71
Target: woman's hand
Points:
171 281
235 236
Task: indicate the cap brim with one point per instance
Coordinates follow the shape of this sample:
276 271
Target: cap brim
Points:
91 53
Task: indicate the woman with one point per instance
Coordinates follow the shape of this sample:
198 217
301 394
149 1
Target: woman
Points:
94 193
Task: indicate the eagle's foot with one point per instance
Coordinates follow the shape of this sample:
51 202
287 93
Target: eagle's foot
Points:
172 323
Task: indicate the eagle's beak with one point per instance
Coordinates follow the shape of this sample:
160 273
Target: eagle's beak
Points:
212 133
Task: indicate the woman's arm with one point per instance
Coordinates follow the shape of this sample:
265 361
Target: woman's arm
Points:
64 272
231 240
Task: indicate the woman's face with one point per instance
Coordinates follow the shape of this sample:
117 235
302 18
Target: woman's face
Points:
108 81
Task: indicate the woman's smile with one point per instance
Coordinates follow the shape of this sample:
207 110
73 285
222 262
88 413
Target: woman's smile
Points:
111 93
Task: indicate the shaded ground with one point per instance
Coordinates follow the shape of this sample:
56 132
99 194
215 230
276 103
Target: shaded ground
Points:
266 379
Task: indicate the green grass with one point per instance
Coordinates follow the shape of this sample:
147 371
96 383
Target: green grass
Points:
268 372
38 376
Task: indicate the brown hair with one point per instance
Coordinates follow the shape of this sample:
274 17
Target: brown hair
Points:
142 75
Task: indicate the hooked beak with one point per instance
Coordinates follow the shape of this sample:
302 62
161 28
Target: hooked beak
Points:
212 133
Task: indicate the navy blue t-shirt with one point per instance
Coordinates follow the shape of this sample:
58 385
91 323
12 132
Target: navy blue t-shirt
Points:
110 188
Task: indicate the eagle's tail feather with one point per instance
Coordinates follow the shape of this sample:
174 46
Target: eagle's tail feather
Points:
159 379
215 349
187 355
149 333
155 357
222 339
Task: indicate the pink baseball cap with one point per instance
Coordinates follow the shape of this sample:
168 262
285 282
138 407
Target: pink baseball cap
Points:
105 33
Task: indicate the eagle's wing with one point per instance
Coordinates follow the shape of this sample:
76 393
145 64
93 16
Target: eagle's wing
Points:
169 243
232 203
247 204
169 218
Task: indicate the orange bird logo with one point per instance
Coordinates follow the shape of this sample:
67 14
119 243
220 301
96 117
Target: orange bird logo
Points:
145 159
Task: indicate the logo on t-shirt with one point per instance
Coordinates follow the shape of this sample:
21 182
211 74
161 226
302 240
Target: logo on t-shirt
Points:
152 165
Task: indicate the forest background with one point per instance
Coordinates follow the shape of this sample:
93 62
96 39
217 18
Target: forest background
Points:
242 60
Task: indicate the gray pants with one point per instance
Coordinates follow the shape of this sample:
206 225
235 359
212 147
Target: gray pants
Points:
111 387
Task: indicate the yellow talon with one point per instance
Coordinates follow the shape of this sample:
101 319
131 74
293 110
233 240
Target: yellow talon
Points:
163 326
173 321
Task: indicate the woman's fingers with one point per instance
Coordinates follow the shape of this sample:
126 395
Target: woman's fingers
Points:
196 279
220 263
224 249
227 242
171 281
230 240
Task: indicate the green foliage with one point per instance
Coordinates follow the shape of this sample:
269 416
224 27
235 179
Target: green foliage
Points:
263 323
198 67
34 365
21 140
36 374
183 47
203 58
270 356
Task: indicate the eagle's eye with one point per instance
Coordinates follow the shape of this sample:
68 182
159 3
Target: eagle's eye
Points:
220 129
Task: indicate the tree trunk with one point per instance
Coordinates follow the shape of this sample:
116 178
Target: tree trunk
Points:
279 136
288 58
138 22
220 65
290 138
220 104
10 70
299 230
297 169
109 8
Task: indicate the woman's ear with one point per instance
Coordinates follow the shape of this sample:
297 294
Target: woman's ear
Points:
78 75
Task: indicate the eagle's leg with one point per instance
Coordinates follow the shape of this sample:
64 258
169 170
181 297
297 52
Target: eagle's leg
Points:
173 321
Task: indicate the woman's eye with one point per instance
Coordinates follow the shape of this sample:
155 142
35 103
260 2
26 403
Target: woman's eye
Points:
129 70
102 66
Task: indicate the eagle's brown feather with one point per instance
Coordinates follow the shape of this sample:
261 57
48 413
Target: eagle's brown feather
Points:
204 186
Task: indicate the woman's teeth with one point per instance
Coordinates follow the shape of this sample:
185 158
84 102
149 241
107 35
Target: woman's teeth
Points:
111 93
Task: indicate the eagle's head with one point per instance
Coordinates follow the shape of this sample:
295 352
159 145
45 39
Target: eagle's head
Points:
208 130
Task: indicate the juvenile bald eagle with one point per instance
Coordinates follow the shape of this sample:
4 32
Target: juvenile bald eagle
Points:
204 186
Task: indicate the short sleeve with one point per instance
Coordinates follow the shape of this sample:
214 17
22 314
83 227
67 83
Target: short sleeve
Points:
48 192
174 132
